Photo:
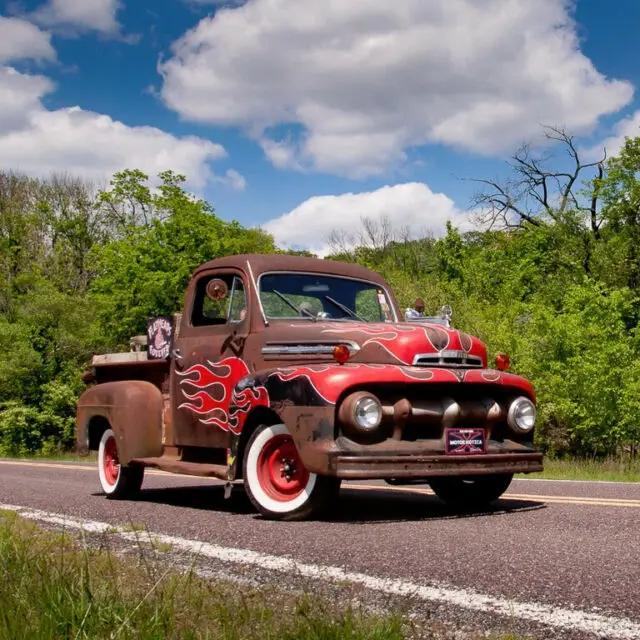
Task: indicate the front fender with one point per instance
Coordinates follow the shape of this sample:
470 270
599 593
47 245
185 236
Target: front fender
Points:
133 409
305 396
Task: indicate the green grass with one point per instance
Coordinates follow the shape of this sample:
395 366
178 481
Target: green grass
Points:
62 456
67 456
51 587
610 469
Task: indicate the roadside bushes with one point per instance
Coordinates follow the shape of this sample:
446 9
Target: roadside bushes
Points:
46 342
579 347
80 272
47 428
584 364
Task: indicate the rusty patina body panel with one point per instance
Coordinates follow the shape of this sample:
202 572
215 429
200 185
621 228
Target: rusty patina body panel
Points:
226 376
122 405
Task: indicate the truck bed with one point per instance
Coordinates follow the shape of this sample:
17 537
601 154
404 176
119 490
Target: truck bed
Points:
132 365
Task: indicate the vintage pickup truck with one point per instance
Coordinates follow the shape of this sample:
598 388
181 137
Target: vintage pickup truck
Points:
293 373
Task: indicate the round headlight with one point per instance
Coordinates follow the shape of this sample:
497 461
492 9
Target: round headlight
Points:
367 412
522 415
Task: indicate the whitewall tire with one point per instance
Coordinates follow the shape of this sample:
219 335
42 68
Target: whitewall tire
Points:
116 480
276 480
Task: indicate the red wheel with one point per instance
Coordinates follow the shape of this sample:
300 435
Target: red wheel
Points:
281 473
110 462
277 482
116 480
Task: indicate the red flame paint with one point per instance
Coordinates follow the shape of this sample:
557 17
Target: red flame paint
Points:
402 342
330 381
228 410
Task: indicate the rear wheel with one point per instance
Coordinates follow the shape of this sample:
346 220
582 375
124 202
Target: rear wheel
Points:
276 480
116 480
472 491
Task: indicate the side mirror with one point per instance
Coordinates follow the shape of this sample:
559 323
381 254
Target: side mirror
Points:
446 311
217 289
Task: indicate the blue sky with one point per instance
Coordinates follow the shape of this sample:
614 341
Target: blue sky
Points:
377 112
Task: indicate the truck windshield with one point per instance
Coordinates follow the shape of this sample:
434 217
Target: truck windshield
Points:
316 296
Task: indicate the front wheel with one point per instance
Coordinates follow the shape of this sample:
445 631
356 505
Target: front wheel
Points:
116 481
276 480
471 492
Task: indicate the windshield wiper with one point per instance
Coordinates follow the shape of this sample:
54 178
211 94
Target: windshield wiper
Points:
344 308
293 306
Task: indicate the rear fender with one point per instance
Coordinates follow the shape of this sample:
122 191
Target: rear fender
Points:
132 409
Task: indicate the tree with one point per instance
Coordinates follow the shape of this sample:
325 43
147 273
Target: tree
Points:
144 272
80 272
537 194
619 190
20 235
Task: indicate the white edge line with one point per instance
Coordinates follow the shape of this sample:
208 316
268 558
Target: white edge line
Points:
615 628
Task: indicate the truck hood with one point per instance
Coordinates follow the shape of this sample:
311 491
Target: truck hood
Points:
388 343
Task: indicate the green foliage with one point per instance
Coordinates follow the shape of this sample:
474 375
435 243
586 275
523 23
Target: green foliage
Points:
47 429
573 336
582 360
80 272
144 272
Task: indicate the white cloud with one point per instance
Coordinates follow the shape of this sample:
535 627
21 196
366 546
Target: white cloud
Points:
38 141
233 179
626 128
21 40
411 206
83 15
366 80
19 96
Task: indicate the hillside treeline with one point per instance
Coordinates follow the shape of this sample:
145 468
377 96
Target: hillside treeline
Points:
553 280
81 270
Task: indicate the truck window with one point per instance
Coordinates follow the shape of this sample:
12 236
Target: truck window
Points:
238 303
299 295
368 305
231 308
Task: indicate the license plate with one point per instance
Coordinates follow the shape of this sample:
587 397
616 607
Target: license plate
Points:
464 441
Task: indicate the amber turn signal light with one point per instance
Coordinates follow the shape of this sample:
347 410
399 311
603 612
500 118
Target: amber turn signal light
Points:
503 362
341 353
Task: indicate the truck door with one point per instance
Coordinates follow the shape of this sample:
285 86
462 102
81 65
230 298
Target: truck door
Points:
207 359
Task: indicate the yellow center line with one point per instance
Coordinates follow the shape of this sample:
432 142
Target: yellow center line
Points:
602 502
79 467
578 500
527 496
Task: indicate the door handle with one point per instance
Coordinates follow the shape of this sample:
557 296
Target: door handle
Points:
177 358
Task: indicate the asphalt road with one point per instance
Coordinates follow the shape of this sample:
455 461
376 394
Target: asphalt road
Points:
573 545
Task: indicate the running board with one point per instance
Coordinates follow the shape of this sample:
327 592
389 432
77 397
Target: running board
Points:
170 464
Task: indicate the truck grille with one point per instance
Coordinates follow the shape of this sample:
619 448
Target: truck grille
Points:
450 359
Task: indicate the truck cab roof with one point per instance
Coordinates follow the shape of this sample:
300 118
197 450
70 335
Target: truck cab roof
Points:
261 263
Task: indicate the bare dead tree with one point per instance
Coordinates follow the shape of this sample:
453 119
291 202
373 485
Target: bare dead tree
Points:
374 233
341 243
537 194
409 247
